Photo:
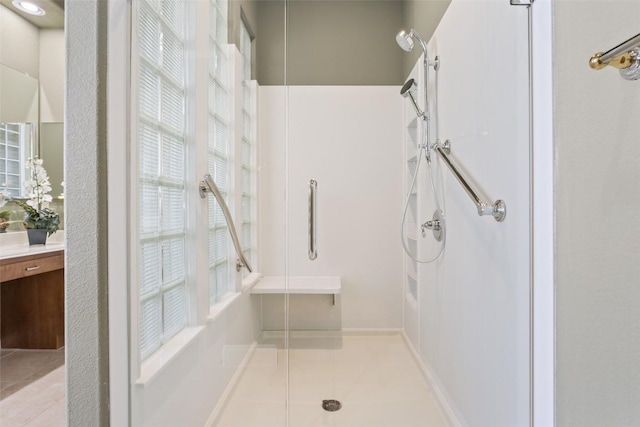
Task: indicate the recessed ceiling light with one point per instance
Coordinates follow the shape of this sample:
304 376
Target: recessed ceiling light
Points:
28 7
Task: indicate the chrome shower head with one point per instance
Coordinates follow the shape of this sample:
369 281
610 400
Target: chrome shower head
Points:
409 89
405 41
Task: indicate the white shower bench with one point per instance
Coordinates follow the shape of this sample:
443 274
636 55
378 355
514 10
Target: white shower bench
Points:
299 285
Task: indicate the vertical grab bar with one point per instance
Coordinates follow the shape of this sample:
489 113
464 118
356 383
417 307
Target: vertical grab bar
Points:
313 244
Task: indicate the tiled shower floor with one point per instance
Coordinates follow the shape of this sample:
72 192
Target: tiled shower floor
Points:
374 376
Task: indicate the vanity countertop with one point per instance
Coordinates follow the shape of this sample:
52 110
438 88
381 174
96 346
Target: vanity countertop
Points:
16 251
14 245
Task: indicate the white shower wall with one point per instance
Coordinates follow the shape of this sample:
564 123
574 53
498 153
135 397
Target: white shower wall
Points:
185 391
471 328
348 138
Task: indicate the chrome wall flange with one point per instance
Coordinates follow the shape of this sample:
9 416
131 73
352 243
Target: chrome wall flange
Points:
446 146
435 63
499 210
203 189
632 72
436 225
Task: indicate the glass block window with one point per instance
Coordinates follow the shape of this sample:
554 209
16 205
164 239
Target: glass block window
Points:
219 148
248 218
161 142
13 138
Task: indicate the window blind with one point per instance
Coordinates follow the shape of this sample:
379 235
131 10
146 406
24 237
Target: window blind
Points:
161 132
11 156
219 148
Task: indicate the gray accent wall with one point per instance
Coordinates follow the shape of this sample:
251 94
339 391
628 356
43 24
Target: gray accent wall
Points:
330 42
269 43
597 219
424 16
349 42
247 10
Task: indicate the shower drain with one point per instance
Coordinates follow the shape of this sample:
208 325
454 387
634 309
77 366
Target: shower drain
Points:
331 405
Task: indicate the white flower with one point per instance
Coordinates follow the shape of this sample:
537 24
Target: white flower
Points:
38 186
4 196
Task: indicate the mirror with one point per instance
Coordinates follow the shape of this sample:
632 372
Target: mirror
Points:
32 80
51 149
19 104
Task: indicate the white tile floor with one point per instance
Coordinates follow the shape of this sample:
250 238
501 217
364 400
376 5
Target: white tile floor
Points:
32 391
374 376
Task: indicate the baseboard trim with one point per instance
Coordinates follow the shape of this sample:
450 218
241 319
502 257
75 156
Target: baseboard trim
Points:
304 333
449 410
228 391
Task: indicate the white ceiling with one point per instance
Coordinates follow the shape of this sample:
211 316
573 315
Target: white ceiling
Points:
54 18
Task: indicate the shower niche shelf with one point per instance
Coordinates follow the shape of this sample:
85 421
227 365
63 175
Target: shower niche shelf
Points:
411 231
413 128
298 285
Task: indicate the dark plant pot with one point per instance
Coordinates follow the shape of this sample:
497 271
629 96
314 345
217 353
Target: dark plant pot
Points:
37 236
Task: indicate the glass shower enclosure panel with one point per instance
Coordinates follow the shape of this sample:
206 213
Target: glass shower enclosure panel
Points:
208 313
383 290
434 335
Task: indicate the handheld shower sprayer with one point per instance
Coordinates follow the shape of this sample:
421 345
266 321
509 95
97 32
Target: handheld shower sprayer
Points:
410 89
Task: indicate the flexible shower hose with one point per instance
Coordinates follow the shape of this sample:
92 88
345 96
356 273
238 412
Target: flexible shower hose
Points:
422 152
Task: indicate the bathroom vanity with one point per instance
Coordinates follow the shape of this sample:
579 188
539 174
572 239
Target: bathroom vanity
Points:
32 296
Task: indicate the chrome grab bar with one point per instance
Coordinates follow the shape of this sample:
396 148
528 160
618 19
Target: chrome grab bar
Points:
208 184
313 244
498 209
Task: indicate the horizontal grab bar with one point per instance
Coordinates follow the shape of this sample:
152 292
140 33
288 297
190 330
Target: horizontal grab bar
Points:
498 209
208 183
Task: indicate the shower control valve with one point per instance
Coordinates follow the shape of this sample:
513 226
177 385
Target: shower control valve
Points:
436 225
430 225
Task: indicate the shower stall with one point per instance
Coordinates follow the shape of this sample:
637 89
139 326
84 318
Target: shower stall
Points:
283 153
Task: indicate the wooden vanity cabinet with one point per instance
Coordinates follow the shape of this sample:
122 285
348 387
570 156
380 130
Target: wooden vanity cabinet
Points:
32 301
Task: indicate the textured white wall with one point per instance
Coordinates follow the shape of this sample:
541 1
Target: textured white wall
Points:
597 221
473 327
87 354
348 138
